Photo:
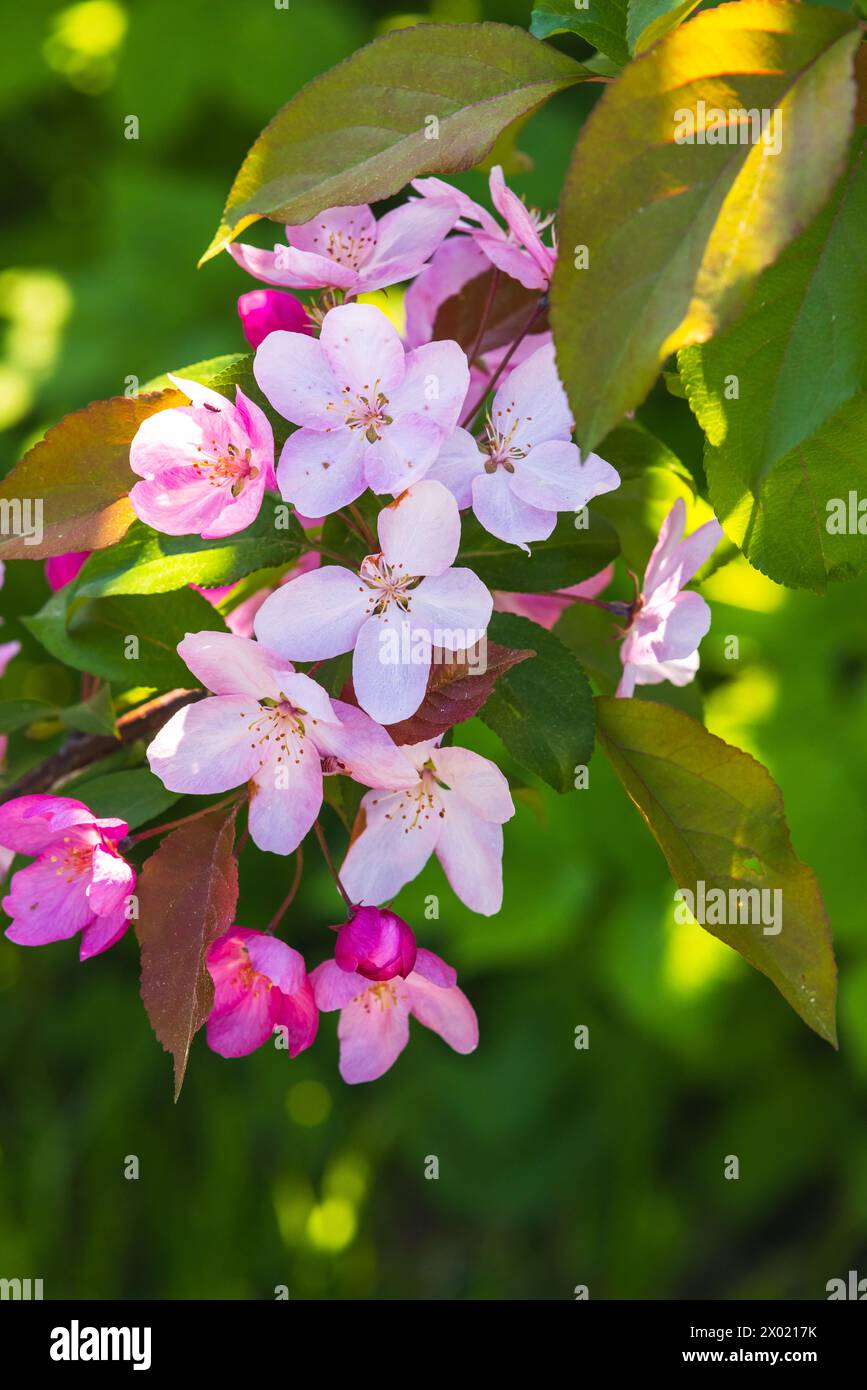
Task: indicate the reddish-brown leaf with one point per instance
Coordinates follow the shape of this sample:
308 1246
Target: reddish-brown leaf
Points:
512 309
79 475
187 891
457 689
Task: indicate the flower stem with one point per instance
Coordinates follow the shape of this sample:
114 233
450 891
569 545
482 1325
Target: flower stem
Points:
495 376
326 854
184 820
486 314
290 896
367 535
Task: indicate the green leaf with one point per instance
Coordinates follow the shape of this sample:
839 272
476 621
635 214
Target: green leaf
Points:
93 716
148 562
187 891
362 131
677 232
718 818
793 439
600 22
79 475
17 714
542 709
94 636
568 556
135 796
649 20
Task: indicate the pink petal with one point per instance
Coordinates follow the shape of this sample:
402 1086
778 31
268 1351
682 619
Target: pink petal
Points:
230 665
111 882
373 1031
363 350
103 932
533 398
398 839
402 454
286 798
47 901
458 462
297 270
389 689
421 530
334 988
178 502
435 970
298 1014
438 188
476 782
471 853
454 609
445 1011
280 963
519 221
347 233
435 385
316 616
292 371
199 396
364 750
321 471
207 747
512 260
406 238
8 651
28 824
503 513
246 1023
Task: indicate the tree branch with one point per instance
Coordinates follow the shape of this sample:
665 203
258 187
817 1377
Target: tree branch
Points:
83 749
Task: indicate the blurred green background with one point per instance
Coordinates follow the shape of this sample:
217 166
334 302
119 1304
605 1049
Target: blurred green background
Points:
557 1167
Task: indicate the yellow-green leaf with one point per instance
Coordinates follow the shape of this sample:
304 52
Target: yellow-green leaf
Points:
718 818
676 230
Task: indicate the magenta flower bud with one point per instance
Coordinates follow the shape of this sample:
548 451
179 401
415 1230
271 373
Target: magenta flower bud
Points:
61 568
263 311
376 944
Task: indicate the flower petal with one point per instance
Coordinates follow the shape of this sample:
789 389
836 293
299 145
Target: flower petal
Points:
503 513
476 782
230 665
365 751
445 1011
373 1031
471 853
333 988
399 836
362 349
321 471
286 798
458 462
47 901
390 678
279 962
294 374
421 530
313 617
453 609
28 824
207 747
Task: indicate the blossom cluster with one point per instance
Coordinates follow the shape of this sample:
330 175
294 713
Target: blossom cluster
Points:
411 420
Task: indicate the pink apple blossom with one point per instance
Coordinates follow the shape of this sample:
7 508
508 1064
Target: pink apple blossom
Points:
346 248
402 603
545 609
661 643
78 881
454 807
527 469
60 569
518 250
205 466
375 943
371 414
374 1018
264 311
260 984
270 726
